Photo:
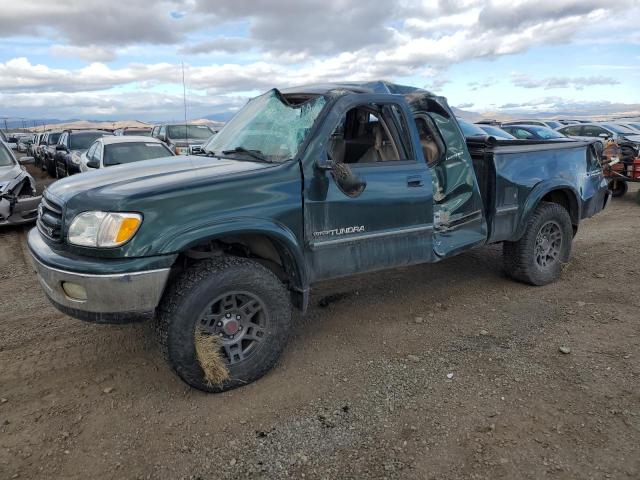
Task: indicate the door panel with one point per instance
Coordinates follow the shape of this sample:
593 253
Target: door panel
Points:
458 212
389 224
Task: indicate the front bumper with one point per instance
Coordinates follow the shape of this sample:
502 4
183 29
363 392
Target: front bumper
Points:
24 211
106 298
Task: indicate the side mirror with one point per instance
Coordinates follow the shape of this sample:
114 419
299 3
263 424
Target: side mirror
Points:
27 161
61 148
349 182
93 164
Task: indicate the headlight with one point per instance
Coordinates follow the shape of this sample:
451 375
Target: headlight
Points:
182 150
3 185
103 229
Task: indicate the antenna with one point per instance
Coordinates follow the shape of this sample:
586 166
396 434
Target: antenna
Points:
184 99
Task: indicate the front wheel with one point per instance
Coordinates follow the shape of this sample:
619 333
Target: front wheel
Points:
224 323
538 256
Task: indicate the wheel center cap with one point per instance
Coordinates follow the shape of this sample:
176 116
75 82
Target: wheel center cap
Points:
230 327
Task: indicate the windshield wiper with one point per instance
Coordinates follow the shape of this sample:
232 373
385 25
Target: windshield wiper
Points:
256 154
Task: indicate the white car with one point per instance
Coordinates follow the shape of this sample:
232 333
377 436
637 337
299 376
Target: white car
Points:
116 150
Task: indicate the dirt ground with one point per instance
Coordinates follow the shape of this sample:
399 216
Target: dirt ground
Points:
363 391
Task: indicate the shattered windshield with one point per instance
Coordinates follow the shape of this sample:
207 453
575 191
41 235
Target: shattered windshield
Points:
269 127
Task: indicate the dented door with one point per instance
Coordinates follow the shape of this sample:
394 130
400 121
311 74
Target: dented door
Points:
458 213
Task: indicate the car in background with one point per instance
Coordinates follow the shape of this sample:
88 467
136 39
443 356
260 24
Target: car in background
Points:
496 132
470 130
38 151
18 200
139 131
535 132
600 132
184 139
49 152
71 145
635 126
118 149
24 142
31 151
553 124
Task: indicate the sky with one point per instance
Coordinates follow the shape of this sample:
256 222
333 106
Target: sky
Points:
91 59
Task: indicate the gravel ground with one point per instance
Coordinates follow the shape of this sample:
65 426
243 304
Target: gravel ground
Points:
439 371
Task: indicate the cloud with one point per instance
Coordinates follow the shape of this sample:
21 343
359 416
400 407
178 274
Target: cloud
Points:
524 81
94 22
91 53
465 105
219 44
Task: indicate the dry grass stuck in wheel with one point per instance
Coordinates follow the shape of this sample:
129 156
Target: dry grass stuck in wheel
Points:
210 358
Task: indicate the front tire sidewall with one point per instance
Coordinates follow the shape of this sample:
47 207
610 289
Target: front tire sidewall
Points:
194 299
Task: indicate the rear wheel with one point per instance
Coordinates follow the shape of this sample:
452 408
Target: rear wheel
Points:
224 323
538 256
618 188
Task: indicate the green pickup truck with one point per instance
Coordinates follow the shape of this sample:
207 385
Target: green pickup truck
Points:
302 185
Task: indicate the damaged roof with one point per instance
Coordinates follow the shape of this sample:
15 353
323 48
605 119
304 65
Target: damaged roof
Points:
379 86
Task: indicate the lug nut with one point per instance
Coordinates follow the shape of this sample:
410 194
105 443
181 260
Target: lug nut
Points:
228 315
219 324
239 327
237 317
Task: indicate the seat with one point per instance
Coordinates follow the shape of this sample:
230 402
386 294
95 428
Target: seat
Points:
381 151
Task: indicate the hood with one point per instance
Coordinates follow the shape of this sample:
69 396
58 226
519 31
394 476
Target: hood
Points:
9 173
160 174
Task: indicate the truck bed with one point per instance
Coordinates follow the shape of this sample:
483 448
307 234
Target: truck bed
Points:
508 170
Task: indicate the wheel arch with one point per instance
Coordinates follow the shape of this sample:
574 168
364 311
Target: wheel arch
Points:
270 243
562 194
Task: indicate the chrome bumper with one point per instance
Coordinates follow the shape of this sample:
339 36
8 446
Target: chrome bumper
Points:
113 293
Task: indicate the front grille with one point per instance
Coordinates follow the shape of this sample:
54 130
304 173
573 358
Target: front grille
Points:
50 219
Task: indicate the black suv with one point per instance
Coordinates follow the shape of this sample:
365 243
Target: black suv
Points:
48 152
71 145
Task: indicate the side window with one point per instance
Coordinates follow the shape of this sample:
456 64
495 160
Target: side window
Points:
162 130
522 134
61 139
430 141
370 134
97 155
573 130
593 131
91 151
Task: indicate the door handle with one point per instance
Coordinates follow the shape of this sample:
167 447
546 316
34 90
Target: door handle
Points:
415 181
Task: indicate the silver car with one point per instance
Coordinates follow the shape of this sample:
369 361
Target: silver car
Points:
18 200
601 132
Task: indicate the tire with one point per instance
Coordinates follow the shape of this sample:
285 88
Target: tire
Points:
51 169
205 289
618 188
548 230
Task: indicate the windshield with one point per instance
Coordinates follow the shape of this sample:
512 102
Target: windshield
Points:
635 125
189 132
53 138
140 131
544 132
497 132
6 159
268 125
117 153
470 130
618 128
81 141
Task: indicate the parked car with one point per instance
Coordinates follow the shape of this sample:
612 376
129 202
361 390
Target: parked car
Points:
535 132
184 139
635 126
24 142
306 184
120 149
600 132
39 151
139 131
49 152
18 199
31 151
496 132
470 130
552 124
71 145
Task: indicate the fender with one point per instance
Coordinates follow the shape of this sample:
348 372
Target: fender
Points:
536 195
284 239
